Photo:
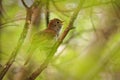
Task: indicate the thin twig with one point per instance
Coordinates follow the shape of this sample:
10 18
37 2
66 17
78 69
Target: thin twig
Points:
93 25
61 11
97 4
25 5
66 44
56 45
47 12
1 9
115 5
10 21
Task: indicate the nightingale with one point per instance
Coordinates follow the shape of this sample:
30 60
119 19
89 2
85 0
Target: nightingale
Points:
44 40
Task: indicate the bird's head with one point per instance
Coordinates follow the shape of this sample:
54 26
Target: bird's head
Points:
55 24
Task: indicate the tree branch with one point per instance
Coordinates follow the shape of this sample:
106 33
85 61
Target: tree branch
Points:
16 49
47 16
11 21
38 71
61 10
1 12
20 41
25 5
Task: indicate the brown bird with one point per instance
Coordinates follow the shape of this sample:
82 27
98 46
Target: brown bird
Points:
44 40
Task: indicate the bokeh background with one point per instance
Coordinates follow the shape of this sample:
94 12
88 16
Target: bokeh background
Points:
90 51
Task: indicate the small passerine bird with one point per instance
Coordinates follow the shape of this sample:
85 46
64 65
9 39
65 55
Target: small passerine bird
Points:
45 39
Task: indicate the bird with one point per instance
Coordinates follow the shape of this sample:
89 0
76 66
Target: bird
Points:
44 40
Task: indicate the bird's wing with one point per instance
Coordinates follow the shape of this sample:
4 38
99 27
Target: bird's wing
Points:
41 40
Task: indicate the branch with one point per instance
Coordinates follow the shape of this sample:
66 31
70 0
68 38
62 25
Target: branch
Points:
47 16
1 9
92 22
116 8
38 71
17 48
25 5
2 12
10 21
61 11
66 45
20 41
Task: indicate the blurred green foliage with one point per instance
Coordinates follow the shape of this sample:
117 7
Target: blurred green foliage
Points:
91 51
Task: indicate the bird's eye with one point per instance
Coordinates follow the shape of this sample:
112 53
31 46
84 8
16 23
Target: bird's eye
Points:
57 22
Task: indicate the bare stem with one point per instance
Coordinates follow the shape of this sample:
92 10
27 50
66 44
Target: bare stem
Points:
25 5
47 12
